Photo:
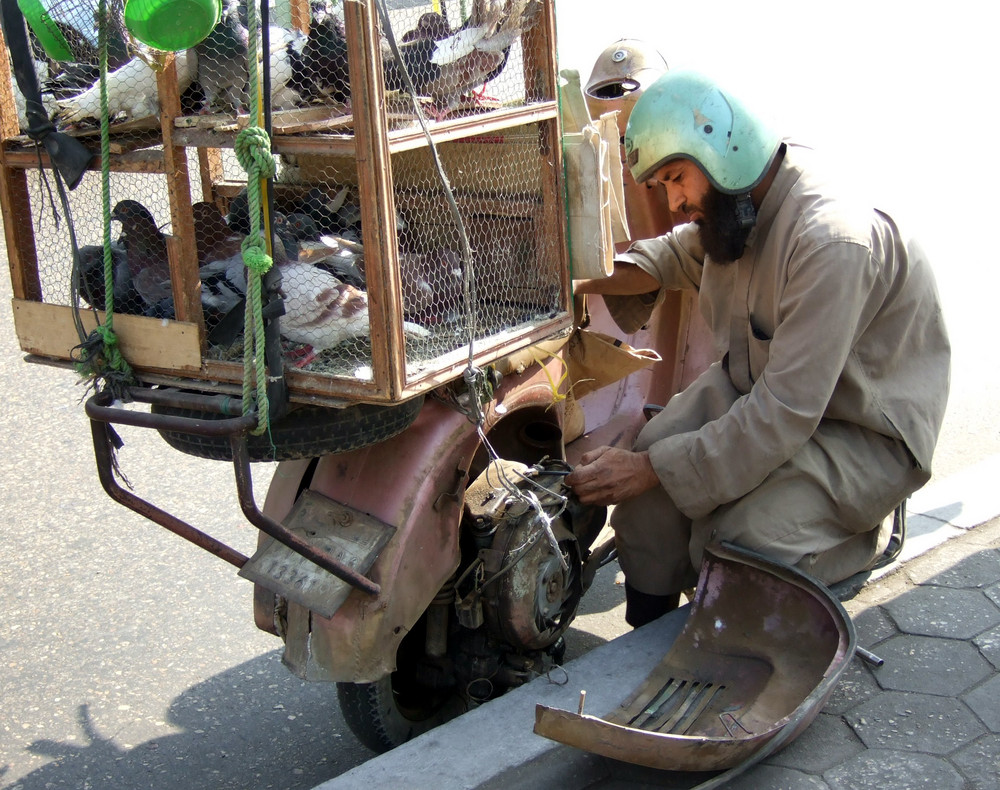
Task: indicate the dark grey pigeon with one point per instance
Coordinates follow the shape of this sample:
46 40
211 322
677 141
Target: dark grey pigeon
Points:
222 63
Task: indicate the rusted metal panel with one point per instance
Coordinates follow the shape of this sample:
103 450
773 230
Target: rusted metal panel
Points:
757 659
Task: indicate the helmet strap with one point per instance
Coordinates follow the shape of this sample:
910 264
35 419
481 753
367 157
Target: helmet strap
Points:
745 212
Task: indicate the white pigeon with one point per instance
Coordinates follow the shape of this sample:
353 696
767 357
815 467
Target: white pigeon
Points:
322 311
132 91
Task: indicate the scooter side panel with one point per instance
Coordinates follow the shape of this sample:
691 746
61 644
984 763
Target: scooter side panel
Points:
415 482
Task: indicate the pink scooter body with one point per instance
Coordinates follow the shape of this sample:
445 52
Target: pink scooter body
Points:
416 483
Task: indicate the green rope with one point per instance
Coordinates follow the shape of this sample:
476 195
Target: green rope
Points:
99 356
253 152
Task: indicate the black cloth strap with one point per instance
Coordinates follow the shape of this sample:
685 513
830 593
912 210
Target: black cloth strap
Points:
67 154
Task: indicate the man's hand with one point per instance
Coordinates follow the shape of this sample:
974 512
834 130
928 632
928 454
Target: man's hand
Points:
608 476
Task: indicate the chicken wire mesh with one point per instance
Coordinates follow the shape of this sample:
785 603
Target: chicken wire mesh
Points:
463 59
510 280
455 57
140 227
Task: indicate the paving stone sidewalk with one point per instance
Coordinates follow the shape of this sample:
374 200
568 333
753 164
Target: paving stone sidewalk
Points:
929 717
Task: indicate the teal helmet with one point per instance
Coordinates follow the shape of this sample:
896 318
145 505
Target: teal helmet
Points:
684 115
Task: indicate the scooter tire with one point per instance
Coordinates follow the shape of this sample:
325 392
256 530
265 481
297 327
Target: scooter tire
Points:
305 432
373 713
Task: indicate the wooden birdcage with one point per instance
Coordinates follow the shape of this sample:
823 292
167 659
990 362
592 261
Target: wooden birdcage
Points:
428 297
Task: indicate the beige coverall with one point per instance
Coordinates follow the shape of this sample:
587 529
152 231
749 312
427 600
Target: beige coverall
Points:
824 412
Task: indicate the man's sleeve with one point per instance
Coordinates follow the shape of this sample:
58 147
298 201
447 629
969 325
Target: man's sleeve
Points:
676 259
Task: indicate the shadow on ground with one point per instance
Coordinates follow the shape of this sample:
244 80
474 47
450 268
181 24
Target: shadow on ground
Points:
251 726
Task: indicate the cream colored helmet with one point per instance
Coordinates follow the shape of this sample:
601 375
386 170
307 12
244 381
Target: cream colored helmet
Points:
621 73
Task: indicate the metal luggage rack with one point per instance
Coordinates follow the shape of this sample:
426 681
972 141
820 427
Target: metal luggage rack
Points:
333 566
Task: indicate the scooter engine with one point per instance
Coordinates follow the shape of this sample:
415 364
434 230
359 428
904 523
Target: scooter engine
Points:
528 575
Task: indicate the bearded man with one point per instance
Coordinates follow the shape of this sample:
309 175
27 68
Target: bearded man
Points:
824 409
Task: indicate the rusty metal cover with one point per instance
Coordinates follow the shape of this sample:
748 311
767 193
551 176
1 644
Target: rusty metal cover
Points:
347 534
759 655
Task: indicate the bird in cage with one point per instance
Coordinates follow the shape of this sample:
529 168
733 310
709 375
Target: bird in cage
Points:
334 211
213 238
223 297
131 91
340 256
320 71
69 77
238 221
146 255
222 61
92 287
286 54
446 65
431 26
222 269
322 311
223 67
432 285
298 226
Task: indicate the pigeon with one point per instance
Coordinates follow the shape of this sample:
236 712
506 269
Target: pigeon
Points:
238 217
321 73
222 62
223 297
336 213
90 264
238 220
70 80
432 285
213 238
447 68
223 292
321 311
146 254
344 259
300 226
285 57
132 91
430 26
223 68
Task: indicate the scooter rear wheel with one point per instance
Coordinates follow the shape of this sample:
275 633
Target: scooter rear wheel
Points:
389 712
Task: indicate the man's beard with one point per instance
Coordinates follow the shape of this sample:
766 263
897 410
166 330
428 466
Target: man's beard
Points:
722 236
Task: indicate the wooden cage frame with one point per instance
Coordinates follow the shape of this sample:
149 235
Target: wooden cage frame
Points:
173 351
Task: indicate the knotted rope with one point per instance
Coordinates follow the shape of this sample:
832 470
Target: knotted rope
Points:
253 152
99 357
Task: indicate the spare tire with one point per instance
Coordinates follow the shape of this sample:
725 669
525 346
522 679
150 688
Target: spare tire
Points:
305 432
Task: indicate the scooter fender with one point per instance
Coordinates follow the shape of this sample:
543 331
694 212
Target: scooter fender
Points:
416 483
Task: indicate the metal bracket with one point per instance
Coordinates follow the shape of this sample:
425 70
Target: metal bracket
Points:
102 413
